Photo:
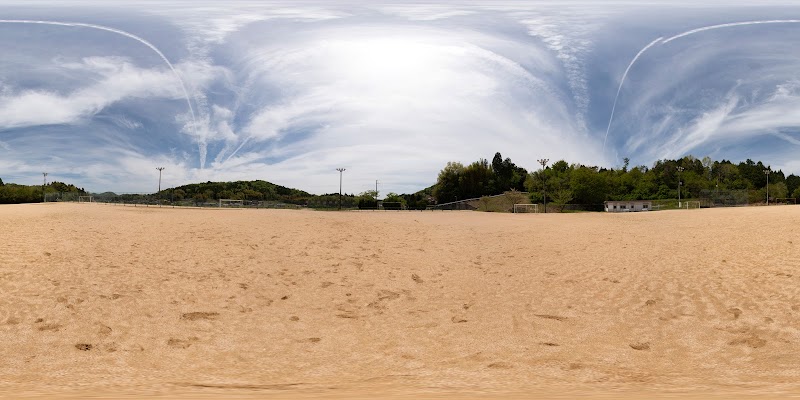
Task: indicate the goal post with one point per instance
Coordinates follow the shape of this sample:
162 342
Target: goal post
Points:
526 208
85 199
231 203
691 204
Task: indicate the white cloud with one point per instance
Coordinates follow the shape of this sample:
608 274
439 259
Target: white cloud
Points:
118 80
430 96
289 91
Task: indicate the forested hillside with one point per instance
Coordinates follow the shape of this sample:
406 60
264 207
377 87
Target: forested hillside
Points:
11 193
239 190
566 183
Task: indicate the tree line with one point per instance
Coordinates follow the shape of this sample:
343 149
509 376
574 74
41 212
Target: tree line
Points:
564 183
12 193
561 183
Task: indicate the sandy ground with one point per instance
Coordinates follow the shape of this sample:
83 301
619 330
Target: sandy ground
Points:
110 301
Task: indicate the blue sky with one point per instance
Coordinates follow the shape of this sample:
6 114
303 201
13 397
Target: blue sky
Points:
100 94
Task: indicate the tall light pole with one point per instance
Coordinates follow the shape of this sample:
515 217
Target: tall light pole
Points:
159 177
44 196
680 169
340 186
376 194
766 172
544 162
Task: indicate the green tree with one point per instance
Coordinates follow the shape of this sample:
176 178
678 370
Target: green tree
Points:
447 186
476 180
561 197
394 201
514 197
507 175
368 200
792 183
778 191
588 186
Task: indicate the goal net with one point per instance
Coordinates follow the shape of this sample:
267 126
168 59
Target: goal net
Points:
526 208
691 204
231 203
85 199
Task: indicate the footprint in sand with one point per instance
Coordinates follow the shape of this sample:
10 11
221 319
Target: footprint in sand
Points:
736 312
49 327
194 316
83 346
548 316
751 341
500 365
104 330
640 346
181 343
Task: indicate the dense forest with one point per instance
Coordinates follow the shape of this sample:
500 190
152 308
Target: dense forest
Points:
11 193
566 183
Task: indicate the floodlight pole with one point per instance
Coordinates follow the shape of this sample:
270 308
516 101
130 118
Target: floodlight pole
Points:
544 162
44 196
376 194
766 172
340 186
159 177
680 169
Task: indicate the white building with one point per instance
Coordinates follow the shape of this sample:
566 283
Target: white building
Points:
629 205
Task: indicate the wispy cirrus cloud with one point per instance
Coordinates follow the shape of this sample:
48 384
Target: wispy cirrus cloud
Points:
288 91
114 79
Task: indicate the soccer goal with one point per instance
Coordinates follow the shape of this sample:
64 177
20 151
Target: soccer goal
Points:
526 208
85 199
691 204
231 203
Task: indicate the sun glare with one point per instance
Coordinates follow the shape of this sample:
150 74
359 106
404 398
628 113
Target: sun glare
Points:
391 63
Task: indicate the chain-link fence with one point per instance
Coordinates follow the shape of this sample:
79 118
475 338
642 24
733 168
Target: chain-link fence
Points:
724 198
147 200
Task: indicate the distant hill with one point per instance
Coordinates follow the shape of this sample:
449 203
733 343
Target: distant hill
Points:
257 190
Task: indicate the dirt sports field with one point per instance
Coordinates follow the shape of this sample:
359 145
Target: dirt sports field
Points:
112 301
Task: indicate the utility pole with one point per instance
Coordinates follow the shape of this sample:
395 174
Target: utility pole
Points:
766 172
544 162
340 186
44 196
376 194
680 169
